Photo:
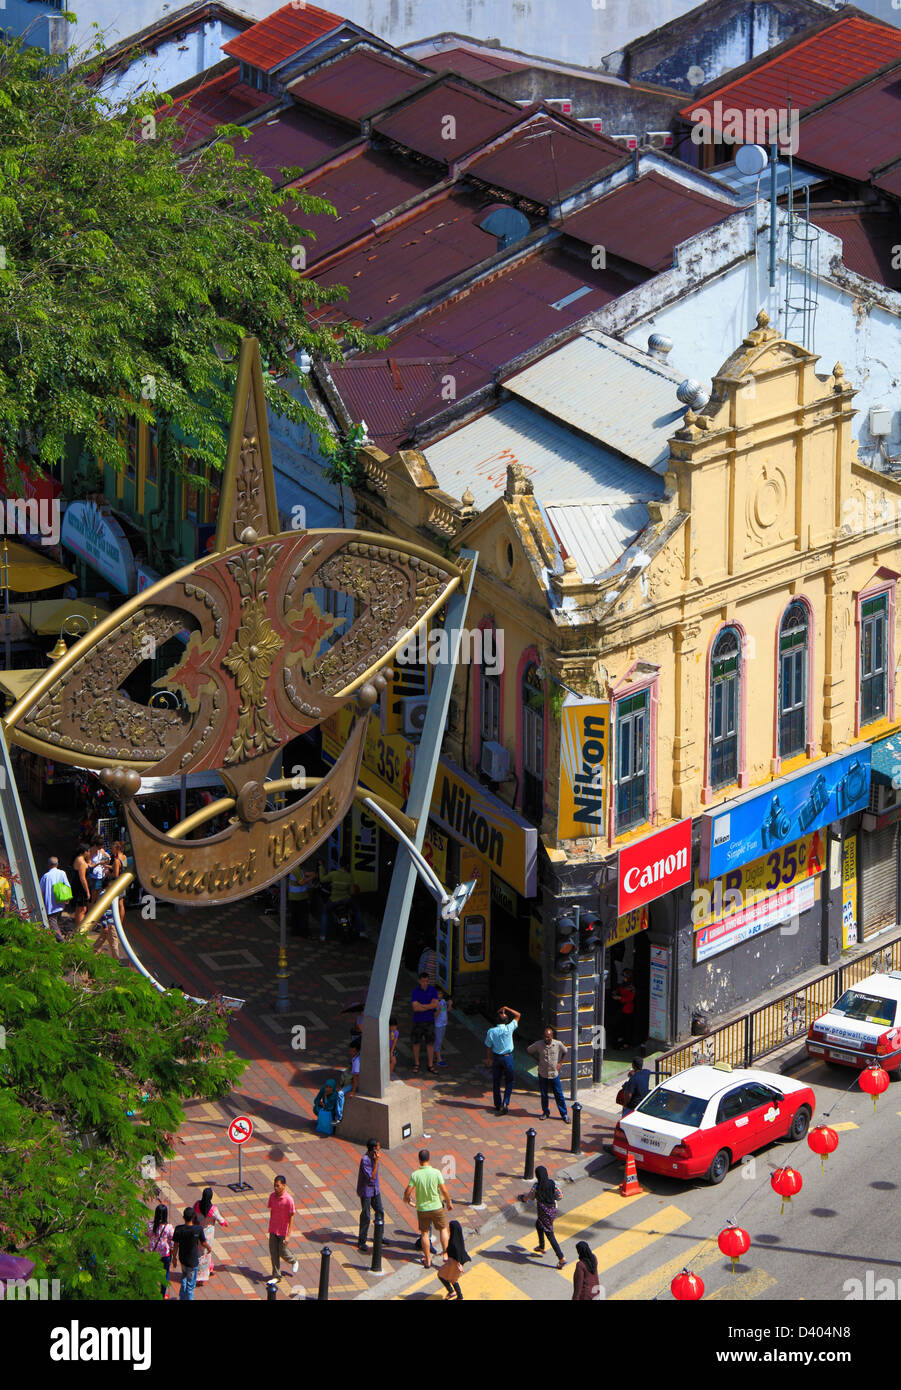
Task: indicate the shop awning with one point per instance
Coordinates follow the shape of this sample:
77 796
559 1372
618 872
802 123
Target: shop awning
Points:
18 683
29 571
886 760
46 616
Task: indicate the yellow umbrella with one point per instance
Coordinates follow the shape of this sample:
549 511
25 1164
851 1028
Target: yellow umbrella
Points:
47 615
29 571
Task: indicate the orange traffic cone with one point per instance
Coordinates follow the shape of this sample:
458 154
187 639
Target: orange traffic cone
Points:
630 1184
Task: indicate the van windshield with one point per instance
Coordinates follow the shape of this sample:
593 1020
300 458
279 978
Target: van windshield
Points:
673 1106
867 1008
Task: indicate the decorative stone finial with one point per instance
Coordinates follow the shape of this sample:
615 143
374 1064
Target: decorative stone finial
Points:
468 498
518 485
763 319
569 565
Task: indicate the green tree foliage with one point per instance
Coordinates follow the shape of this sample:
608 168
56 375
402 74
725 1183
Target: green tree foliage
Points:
85 1042
130 272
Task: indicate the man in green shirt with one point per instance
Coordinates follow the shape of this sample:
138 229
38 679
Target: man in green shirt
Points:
431 1199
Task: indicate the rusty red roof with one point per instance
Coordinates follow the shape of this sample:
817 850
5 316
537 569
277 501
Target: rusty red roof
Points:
544 157
292 138
888 178
281 35
478 67
360 189
219 101
807 70
869 240
447 120
405 260
645 219
357 83
858 131
464 342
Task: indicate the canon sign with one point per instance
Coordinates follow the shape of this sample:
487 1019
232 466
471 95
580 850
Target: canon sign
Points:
653 867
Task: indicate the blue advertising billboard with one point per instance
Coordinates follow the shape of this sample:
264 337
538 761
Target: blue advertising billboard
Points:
754 825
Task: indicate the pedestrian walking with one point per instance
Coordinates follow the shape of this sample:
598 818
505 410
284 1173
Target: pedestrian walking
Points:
393 1037
210 1218
300 892
427 1192
328 1103
550 1054
160 1233
368 1190
586 1285
499 1056
281 1224
81 891
424 1003
188 1242
100 867
340 891
635 1087
117 867
450 1272
351 1090
57 894
625 997
445 1004
545 1194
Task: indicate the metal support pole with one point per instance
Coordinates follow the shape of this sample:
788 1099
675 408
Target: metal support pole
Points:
478 1177
774 166
374 1051
574 1070
26 888
602 1012
282 1002
529 1169
378 1235
325 1260
576 1145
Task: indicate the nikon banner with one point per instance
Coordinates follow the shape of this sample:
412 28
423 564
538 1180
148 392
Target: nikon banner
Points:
584 746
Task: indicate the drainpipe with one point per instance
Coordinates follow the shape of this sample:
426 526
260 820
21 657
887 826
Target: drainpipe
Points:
774 165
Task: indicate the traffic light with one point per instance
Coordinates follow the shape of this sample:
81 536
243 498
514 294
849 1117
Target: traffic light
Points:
566 942
591 932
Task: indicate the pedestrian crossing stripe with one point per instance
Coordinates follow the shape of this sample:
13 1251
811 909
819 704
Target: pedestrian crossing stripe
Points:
751 1284
637 1238
573 1223
695 1258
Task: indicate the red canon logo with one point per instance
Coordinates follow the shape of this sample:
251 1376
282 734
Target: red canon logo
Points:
654 866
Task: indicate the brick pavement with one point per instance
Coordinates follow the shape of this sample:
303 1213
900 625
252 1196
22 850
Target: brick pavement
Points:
235 950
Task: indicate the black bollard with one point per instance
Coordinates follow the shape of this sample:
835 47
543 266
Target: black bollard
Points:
477 1180
378 1232
529 1170
271 1290
576 1145
324 1263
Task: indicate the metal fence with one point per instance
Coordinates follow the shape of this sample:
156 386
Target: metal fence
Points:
781 1021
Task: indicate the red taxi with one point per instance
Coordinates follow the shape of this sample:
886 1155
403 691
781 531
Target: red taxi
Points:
862 1028
699 1122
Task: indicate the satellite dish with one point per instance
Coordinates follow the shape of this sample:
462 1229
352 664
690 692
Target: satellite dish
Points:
751 159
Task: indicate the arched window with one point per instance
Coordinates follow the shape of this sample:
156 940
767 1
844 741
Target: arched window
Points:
793 649
532 696
725 707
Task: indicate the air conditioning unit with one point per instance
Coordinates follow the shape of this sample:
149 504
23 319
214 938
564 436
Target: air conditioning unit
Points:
413 709
883 799
595 123
658 139
495 761
564 104
629 142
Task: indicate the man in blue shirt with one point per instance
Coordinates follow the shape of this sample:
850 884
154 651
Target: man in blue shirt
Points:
368 1189
499 1042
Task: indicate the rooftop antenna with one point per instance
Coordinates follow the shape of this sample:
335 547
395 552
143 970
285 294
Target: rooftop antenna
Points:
549 134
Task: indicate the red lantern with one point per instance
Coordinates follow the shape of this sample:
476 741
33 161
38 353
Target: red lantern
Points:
734 1242
687 1286
873 1080
823 1141
787 1182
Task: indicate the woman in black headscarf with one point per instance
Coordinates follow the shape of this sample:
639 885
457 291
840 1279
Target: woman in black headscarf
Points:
585 1275
545 1194
209 1216
456 1258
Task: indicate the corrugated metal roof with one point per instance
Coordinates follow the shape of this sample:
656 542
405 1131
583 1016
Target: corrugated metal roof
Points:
210 104
747 188
357 83
399 264
281 35
544 157
809 69
611 392
857 132
292 138
469 338
447 121
360 189
562 465
596 534
869 240
645 219
888 179
478 67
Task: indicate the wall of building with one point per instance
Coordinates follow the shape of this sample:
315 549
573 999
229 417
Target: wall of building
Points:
623 110
172 62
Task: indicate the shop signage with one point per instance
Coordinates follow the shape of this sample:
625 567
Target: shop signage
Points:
91 531
387 758
434 851
654 866
658 1026
503 895
584 750
849 892
753 825
755 883
364 856
474 923
145 578
501 837
730 931
630 925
